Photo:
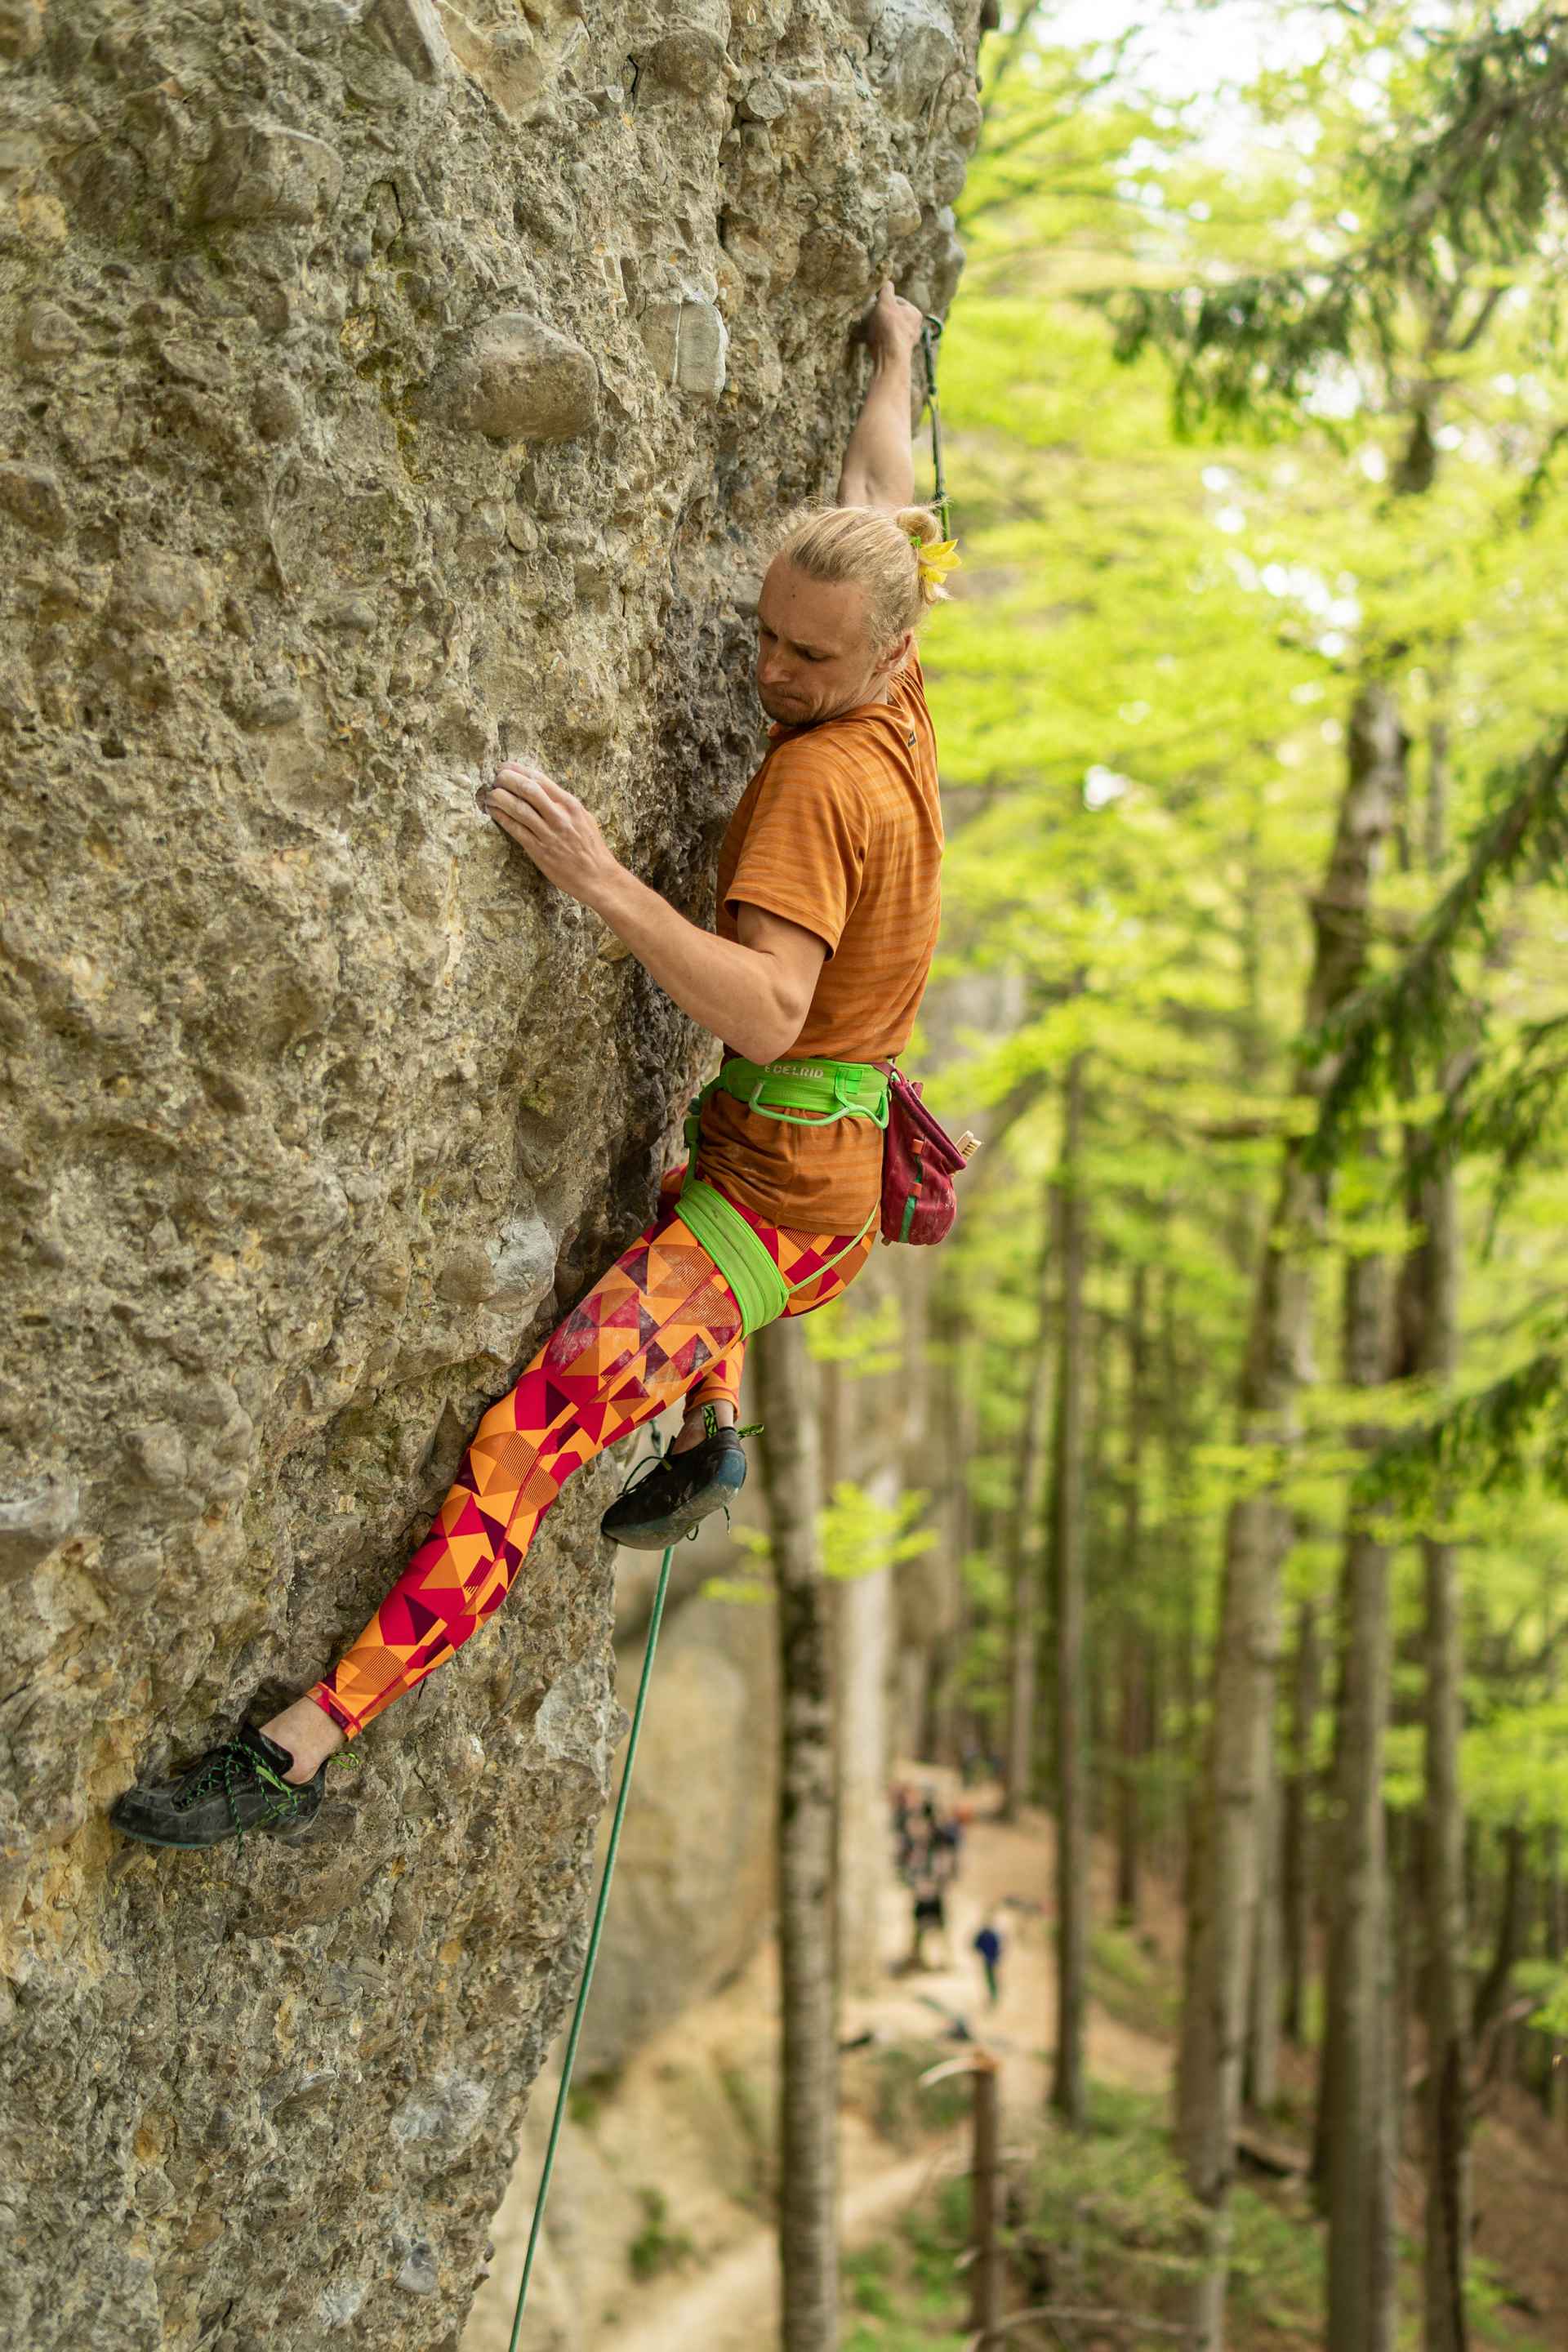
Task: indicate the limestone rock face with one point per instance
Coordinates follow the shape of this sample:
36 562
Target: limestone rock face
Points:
389 390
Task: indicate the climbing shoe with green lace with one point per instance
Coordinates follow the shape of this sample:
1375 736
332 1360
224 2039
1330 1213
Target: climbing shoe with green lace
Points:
676 1492
235 1787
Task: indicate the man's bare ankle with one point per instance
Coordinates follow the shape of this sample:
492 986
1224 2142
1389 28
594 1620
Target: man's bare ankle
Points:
308 1734
694 1428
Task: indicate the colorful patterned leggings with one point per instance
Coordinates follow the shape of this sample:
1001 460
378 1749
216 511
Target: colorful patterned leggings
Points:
662 1321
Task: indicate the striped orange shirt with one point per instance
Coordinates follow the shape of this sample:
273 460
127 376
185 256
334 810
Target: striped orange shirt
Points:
839 830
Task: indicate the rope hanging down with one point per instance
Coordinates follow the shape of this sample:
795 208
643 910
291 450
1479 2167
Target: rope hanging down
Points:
930 335
599 1910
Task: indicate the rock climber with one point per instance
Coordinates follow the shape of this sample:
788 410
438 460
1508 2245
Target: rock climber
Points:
827 906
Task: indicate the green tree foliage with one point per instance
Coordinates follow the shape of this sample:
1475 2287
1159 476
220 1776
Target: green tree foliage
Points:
1145 694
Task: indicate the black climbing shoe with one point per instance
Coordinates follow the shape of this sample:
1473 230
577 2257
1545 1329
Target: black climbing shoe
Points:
677 1491
237 1786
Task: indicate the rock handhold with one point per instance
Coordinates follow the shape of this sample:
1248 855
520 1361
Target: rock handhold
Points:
900 207
412 32
689 343
263 171
520 380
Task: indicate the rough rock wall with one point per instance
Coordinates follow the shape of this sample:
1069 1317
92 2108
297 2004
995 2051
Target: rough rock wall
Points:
696 1882
385 390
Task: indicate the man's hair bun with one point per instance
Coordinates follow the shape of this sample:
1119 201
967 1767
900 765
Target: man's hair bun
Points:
920 523
875 546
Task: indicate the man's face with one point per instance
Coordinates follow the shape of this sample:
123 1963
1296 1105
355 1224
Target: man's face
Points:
813 660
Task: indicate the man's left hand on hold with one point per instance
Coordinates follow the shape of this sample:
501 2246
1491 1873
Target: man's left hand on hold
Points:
551 824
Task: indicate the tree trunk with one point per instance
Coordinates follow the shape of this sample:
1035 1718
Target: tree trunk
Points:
1176 1438
1401 1840
1446 2107
1132 1735
1299 1837
1068 1597
808 2118
1429 1321
1557 1891
1356 2107
985 2277
1024 1548
950 1447
1491 1994
1220 1927
864 1616
1261 2082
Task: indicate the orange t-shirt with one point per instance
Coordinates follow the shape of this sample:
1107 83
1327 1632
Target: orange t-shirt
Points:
839 830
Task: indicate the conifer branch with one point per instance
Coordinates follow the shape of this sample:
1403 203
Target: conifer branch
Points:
1484 179
1516 1111
1488 1441
1406 1020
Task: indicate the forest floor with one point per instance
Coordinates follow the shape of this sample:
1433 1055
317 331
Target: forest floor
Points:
687 2122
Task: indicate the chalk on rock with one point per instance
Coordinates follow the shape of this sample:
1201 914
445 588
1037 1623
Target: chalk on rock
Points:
34 1520
688 344
413 31
263 171
520 380
419 2274
154 589
523 1267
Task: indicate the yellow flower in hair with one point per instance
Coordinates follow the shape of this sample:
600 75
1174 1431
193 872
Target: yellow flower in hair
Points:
937 559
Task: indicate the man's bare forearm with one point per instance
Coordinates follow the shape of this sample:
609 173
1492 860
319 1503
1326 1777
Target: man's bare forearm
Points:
879 465
732 989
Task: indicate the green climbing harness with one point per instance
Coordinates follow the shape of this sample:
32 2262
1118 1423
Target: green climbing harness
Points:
823 1091
800 1094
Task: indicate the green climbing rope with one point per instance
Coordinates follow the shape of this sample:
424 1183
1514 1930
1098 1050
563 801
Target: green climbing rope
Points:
594 1933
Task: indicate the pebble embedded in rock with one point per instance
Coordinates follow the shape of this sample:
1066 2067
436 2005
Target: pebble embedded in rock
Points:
31 495
687 342
520 380
412 30
263 171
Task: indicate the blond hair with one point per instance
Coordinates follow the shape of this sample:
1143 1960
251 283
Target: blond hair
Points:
875 546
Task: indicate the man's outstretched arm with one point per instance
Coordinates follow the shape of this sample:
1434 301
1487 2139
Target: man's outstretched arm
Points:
753 991
879 465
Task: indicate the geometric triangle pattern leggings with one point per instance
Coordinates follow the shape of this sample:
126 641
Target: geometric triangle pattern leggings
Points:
661 1322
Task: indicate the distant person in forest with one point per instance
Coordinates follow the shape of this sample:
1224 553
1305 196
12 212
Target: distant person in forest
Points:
988 1944
828 908
904 1847
947 1846
929 1917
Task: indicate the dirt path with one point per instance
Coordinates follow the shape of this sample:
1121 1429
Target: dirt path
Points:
725 2311
657 2128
